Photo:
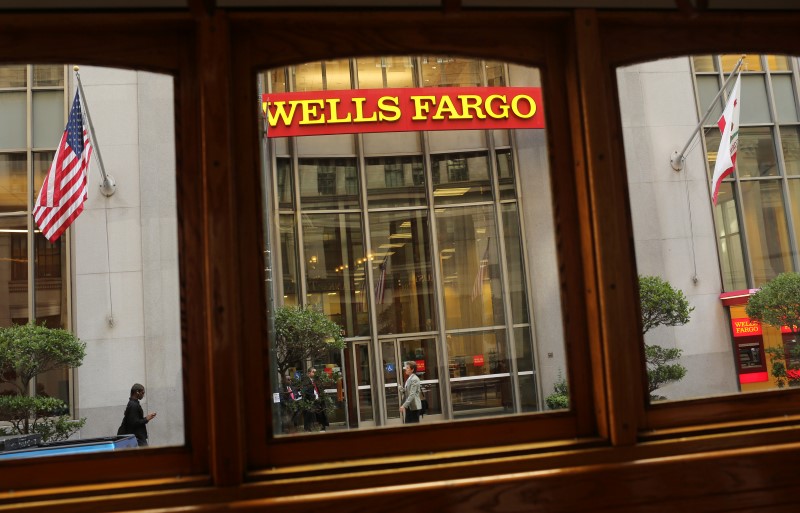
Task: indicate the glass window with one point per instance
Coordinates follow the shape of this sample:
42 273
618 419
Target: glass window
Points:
767 234
288 254
778 63
516 267
756 156
756 108
480 382
707 89
729 239
445 71
284 179
505 172
308 77
47 75
495 74
785 98
470 275
13 182
402 271
790 142
334 252
379 72
48 118
395 181
328 183
337 75
13 112
278 80
461 178
13 76
752 62
704 63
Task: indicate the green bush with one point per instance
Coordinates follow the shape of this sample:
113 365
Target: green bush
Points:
26 351
559 399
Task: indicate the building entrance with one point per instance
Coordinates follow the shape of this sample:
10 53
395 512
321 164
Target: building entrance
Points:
393 353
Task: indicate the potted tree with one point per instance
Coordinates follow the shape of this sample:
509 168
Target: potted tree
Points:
26 351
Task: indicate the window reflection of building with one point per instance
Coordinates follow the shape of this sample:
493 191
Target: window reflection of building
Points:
32 105
756 193
367 258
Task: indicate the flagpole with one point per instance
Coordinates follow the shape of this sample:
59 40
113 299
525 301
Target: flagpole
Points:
108 186
678 159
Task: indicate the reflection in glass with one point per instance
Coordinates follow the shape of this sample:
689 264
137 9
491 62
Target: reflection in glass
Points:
13 278
767 232
337 75
334 255
790 141
395 181
363 382
778 62
479 373
401 268
284 178
288 252
505 174
756 156
516 267
380 72
729 239
785 98
756 108
752 62
461 177
48 75
41 165
308 77
443 71
14 75
393 379
704 63
328 183
470 272
13 182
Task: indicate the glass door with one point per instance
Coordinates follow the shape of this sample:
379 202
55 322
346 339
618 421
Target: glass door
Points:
422 351
363 384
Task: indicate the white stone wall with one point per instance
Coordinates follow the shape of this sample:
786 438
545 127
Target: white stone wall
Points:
125 258
672 219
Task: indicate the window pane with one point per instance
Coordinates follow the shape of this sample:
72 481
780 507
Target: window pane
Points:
284 179
495 74
461 178
46 75
278 80
308 77
334 253
756 156
288 253
480 383
785 102
402 270
470 273
13 114
756 108
14 75
395 181
48 118
752 62
707 89
505 172
445 71
778 62
729 240
13 271
400 71
13 182
790 141
516 267
337 75
370 72
767 233
794 200
704 63
328 183
41 165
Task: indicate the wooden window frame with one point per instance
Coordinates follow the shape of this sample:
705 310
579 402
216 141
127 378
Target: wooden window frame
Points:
581 458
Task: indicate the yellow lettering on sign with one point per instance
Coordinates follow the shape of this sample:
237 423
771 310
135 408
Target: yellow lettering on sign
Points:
446 105
471 102
333 104
388 104
280 113
310 114
360 111
503 114
515 106
420 108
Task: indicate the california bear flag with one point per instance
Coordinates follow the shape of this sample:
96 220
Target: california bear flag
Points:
726 155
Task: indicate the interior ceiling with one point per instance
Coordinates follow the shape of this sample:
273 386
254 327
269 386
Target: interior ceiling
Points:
759 5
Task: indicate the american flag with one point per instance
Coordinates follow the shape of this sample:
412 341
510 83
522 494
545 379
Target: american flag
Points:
477 287
64 190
